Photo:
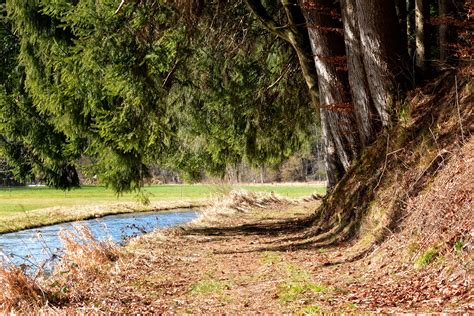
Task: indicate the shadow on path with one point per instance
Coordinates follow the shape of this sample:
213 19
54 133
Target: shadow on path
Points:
274 228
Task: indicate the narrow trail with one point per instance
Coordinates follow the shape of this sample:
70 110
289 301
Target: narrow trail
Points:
224 268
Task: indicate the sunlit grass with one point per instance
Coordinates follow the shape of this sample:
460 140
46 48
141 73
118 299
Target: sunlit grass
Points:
29 207
22 199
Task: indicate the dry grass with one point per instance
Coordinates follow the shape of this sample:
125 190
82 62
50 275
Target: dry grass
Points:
82 244
446 210
242 201
20 292
86 260
238 201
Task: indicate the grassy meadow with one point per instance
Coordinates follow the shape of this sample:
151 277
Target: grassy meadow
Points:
27 207
13 200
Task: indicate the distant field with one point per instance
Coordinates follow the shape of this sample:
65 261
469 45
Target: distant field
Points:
16 200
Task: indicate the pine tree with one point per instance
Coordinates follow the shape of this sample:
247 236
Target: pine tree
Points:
30 143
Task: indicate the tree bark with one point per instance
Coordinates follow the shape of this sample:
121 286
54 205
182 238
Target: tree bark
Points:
380 44
443 28
420 53
368 121
337 116
411 28
445 32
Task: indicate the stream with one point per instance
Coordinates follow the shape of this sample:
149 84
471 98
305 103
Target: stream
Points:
40 247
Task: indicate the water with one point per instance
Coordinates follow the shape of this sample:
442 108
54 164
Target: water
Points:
40 247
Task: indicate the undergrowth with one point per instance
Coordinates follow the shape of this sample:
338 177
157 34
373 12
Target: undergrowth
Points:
20 292
84 261
371 200
426 258
298 284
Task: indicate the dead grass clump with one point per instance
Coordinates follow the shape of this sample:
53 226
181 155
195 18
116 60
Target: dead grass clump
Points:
85 263
19 292
241 201
83 251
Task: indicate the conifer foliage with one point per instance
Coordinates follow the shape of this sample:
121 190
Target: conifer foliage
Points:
144 83
28 139
197 85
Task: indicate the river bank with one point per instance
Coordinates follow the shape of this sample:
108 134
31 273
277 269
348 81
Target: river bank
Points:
248 253
23 208
40 249
55 215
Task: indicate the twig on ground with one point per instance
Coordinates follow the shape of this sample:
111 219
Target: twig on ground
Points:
120 6
458 109
385 163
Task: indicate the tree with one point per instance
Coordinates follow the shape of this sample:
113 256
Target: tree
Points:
337 115
420 27
372 54
30 143
175 82
129 86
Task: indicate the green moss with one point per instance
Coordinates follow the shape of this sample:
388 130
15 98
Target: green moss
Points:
458 245
209 286
412 248
426 258
290 291
298 284
271 257
309 310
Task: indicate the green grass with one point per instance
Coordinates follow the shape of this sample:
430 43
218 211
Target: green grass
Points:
426 258
22 199
290 291
310 310
298 285
25 199
209 286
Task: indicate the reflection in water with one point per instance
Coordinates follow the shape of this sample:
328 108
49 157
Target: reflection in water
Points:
40 247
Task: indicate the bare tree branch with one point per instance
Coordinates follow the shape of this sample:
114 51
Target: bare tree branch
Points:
268 22
120 6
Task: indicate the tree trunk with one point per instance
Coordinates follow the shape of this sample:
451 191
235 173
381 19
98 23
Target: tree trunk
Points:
420 53
368 121
380 44
411 29
401 6
337 117
443 29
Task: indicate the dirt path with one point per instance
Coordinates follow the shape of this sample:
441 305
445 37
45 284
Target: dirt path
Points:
233 268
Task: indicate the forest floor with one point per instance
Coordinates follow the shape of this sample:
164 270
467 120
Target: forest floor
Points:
231 262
